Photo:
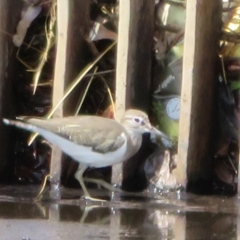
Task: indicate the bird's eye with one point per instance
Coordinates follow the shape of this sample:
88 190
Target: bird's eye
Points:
136 120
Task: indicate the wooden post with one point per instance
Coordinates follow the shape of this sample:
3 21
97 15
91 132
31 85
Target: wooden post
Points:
72 20
58 88
10 13
134 52
198 99
3 54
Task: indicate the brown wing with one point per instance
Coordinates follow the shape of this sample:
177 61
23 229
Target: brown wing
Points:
103 140
102 134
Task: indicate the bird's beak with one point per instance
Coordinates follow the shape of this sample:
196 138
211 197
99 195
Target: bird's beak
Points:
155 133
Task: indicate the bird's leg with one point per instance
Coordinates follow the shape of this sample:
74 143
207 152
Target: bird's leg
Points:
103 183
79 177
90 208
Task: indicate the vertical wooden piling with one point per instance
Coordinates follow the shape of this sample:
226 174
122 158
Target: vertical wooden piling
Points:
72 22
58 87
198 102
10 14
134 52
3 53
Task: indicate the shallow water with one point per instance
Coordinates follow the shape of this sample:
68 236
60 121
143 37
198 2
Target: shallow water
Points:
143 216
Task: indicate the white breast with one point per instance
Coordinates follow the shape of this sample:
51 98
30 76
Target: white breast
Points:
85 155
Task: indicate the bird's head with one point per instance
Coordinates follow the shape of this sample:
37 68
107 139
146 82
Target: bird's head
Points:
137 122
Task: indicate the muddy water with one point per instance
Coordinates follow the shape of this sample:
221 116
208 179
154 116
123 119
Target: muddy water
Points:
144 216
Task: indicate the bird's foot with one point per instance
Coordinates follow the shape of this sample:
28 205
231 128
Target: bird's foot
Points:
103 183
88 198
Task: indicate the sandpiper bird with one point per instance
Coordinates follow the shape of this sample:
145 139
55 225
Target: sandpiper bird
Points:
91 140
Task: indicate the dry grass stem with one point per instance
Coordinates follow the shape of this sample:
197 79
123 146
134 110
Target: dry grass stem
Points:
49 29
79 105
73 85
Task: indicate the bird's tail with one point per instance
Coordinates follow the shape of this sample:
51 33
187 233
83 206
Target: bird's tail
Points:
20 124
